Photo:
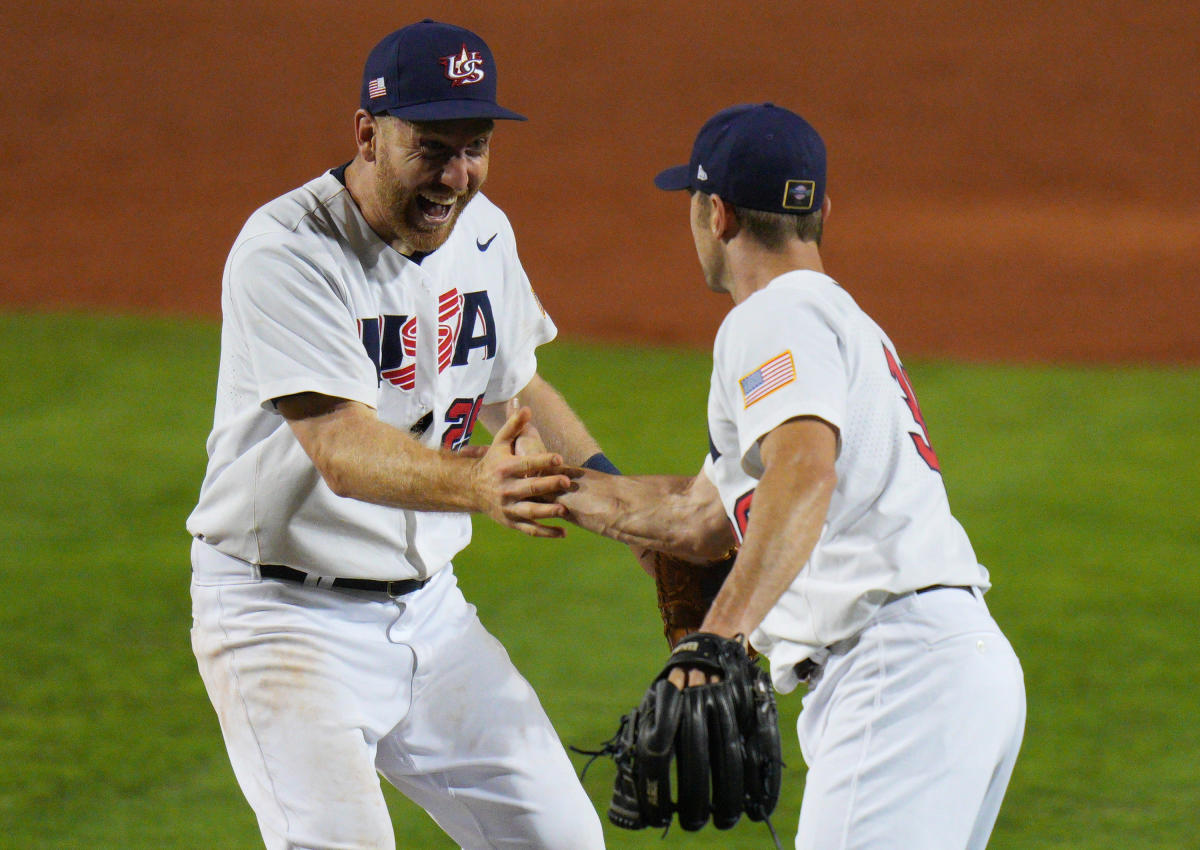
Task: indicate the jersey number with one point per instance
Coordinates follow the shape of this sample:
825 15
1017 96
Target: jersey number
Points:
920 440
461 416
741 513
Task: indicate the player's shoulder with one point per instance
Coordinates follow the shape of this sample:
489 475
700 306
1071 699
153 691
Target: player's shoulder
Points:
291 210
293 231
794 295
299 217
799 288
798 305
786 292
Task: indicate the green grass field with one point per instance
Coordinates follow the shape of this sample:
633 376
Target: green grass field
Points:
1078 486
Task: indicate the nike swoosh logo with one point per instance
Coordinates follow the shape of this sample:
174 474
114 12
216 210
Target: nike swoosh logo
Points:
483 246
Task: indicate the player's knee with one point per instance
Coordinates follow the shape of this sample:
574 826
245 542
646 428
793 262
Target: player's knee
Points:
572 829
566 819
315 827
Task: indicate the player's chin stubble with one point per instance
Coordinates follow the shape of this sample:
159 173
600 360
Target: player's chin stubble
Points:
417 233
403 216
401 211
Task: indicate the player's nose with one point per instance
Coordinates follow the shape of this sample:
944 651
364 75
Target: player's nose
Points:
456 175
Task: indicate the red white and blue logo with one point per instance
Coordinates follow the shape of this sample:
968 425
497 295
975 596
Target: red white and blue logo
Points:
463 68
777 372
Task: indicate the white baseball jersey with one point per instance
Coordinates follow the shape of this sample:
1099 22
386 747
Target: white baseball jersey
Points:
802 347
314 301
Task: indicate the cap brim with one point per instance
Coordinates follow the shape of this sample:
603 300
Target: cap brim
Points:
449 110
674 179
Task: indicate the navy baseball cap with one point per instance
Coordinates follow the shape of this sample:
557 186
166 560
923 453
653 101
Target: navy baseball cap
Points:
429 71
758 156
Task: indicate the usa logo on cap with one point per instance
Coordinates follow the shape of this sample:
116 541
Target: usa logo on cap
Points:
463 68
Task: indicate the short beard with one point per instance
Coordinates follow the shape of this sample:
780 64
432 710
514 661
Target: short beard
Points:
397 205
425 241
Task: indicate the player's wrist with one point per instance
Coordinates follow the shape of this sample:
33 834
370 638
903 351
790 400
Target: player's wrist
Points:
723 627
482 494
600 463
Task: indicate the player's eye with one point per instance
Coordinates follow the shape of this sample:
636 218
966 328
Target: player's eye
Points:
434 150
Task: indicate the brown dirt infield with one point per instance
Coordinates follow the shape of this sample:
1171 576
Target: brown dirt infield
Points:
1010 181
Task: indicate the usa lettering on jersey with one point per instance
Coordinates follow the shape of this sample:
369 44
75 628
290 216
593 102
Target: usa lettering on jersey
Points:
465 323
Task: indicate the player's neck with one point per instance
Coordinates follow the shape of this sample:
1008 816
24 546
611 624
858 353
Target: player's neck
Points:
752 266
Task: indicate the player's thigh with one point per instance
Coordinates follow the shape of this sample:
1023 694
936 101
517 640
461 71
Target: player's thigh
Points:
292 724
908 741
478 752
1001 728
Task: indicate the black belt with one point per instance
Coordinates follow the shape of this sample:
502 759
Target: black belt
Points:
969 590
392 588
806 668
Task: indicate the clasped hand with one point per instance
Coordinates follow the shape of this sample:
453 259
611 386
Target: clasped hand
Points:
517 479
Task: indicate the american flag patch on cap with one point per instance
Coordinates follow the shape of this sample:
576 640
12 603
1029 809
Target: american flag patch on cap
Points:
376 88
777 372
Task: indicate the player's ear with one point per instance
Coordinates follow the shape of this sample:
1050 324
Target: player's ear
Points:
366 132
723 221
826 206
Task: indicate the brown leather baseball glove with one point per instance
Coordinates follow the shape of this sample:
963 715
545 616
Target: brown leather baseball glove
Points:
686 590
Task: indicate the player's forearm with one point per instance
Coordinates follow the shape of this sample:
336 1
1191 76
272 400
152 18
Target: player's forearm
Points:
361 457
783 532
662 512
790 505
560 428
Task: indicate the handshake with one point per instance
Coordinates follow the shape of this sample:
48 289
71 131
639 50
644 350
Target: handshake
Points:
711 711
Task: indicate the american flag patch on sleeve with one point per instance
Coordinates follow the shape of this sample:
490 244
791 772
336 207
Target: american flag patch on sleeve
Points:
376 88
777 372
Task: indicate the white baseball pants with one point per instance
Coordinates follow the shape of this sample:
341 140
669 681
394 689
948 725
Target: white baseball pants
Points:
318 690
911 731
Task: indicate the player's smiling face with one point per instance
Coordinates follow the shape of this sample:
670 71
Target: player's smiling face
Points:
425 174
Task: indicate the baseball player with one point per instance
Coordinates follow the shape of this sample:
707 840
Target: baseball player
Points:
852 576
371 318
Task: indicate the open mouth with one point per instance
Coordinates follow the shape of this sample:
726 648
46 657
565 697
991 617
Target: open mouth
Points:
433 211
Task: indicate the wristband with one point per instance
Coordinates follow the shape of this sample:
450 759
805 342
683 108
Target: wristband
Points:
600 463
